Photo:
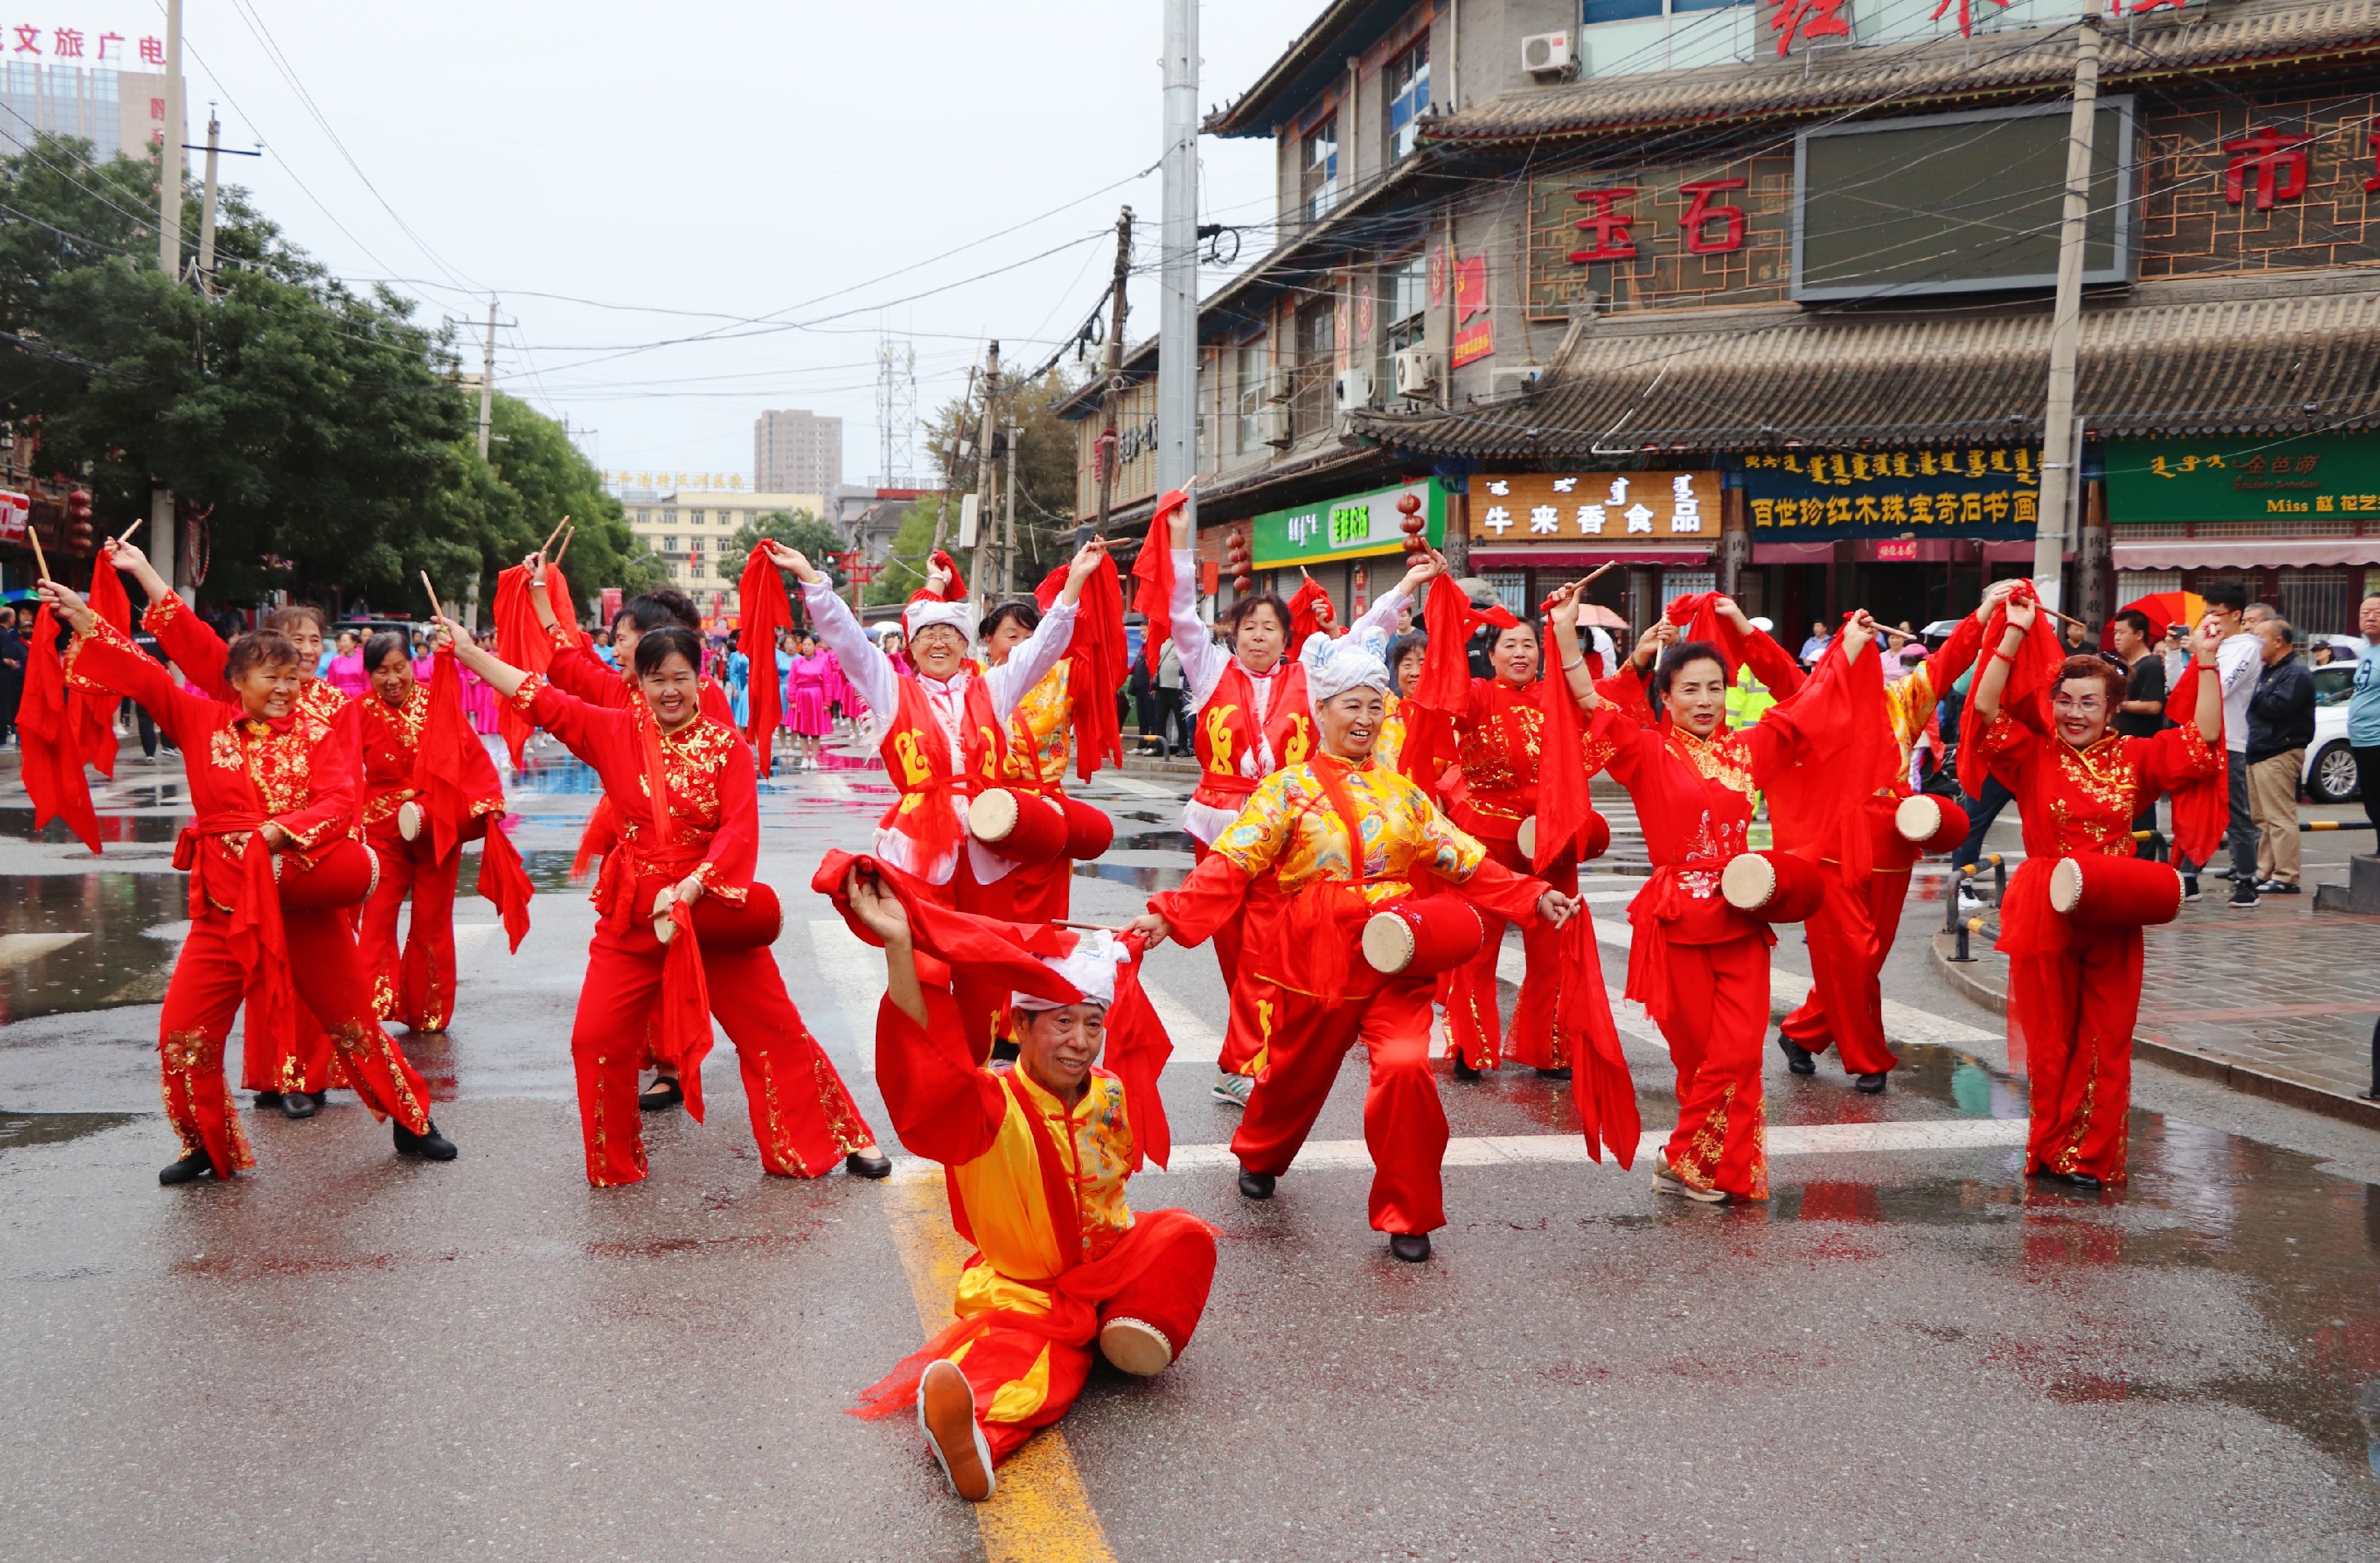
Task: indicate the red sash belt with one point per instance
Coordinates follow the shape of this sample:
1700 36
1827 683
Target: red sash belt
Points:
256 935
1228 791
1660 903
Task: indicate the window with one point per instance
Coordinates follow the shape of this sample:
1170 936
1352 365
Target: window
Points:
1318 186
1511 589
1405 83
1630 37
669 544
1253 380
1405 295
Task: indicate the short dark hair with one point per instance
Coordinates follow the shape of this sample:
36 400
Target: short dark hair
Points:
1675 659
2229 594
2282 628
1237 614
376 650
2091 665
1026 614
284 620
2137 620
258 648
653 610
656 645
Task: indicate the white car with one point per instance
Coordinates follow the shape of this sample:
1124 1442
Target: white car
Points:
2330 764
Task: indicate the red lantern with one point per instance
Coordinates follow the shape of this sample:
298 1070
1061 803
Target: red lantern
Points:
1235 559
79 527
1416 530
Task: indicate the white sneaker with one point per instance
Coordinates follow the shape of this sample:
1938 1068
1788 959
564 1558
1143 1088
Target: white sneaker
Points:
1970 901
946 1415
1233 1089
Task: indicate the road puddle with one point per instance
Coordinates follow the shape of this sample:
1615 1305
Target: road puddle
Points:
18 824
19 1129
72 942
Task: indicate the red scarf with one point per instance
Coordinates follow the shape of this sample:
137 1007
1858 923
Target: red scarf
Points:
1444 688
54 754
1698 614
1305 616
2202 810
766 611
453 778
1099 662
94 713
1154 569
1600 1086
522 640
1821 806
2025 696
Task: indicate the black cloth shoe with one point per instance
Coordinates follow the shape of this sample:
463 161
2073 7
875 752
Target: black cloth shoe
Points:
1410 1247
1462 1070
2275 887
2243 894
299 1104
429 1145
660 1096
2084 1180
1797 1058
1256 1185
189 1169
860 1164
1562 1074
1871 1085
267 1099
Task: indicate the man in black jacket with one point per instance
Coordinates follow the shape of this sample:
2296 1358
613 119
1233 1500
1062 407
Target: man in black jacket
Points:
2280 724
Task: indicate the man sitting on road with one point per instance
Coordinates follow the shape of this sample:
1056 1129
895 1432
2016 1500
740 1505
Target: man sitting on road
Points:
2280 724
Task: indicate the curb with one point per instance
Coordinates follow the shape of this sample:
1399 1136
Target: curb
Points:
2181 1060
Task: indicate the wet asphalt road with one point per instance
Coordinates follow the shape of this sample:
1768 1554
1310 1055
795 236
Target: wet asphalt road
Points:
1903 1354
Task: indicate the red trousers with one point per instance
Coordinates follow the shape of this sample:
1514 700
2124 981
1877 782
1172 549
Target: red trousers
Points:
1405 1124
1253 1003
802 1117
417 986
981 1004
1472 1016
2072 1017
206 991
1848 943
1025 1381
1718 1018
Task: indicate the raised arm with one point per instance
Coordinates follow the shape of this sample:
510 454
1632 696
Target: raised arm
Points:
1026 666
585 730
878 683
1203 657
1562 623
1380 619
1770 662
100 660
190 644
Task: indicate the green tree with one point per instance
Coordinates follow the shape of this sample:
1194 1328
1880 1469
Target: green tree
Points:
797 529
904 568
1044 467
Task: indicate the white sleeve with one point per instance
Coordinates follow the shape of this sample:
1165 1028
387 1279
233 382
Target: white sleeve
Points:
865 665
1203 659
1380 619
1028 663
2241 673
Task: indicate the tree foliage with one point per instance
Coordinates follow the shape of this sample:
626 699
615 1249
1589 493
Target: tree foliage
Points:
1045 469
904 570
319 428
797 529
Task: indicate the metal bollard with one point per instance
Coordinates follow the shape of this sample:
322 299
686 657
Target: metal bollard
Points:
2000 880
1959 927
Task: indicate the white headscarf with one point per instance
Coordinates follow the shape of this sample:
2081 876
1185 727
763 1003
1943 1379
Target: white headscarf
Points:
1090 969
924 610
1350 662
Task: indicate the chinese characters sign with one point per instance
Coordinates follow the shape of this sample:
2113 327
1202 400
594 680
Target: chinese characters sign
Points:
1356 526
83 46
731 483
1964 491
1704 233
1593 507
1475 326
2242 479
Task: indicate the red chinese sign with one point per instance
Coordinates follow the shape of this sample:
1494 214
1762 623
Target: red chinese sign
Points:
80 44
2279 162
15 516
1607 230
1701 214
1807 19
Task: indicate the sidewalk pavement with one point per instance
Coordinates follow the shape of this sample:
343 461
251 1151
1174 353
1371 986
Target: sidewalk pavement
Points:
2279 1001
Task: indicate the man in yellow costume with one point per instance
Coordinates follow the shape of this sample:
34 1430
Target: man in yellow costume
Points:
1036 1158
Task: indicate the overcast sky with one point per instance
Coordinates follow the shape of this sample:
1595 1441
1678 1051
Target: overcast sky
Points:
731 159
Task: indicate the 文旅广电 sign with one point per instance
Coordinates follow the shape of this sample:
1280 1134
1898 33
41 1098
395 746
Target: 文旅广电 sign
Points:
2242 478
1351 528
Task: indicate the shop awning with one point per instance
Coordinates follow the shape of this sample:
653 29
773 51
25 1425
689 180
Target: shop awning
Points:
2264 552
2201 356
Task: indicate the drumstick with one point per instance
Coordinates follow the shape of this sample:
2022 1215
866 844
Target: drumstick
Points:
1091 927
554 533
1597 570
39 564
435 611
566 541
125 535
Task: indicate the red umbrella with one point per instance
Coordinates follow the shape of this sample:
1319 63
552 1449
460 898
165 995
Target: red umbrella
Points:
2185 608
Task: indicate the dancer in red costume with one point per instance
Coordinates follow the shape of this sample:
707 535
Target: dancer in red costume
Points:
1497 727
292 1066
272 787
2074 991
1698 966
944 738
1291 865
1249 717
1855 929
682 790
412 778
1036 1156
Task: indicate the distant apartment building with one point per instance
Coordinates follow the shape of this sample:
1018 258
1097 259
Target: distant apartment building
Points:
797 453
114 110
691 529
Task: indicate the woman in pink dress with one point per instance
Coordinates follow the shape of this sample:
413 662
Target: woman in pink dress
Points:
346 673
806 687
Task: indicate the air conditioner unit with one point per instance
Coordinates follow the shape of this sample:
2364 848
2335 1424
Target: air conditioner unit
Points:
1273 424
1417 373
1548 54
1513 382
1353 389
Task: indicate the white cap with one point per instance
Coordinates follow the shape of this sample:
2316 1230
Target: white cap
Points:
1334 667
1089 968
924 611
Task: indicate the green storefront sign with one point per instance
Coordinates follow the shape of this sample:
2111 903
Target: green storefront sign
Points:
2242 478
1352 528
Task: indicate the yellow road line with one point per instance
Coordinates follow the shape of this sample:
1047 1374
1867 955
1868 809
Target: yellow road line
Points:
1041 1512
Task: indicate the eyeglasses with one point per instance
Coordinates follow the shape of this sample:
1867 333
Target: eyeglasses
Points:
2082 705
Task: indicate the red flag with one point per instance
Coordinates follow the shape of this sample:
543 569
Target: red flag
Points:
766 611
1097 662
94 713
54 759
1154 569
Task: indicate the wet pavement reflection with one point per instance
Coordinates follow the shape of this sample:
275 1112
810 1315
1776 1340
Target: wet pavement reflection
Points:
83 941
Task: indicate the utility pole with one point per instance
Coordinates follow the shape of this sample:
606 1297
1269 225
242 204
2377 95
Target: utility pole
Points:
2059 454
488 381
1177 319
1111 372
1008 534
169 151
987 519
207 208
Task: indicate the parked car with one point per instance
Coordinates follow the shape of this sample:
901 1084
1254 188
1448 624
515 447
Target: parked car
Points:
2330 764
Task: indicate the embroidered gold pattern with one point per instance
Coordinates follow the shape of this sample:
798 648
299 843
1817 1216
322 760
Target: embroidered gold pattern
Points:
1288 827
524 697
1725 758
842 1120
